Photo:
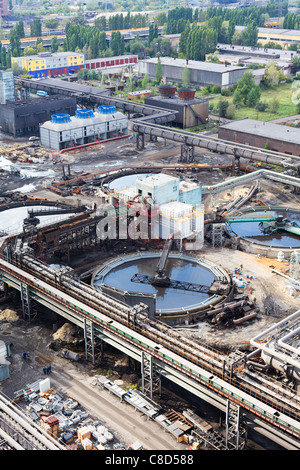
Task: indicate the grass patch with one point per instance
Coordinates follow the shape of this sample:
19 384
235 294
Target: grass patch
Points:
282 92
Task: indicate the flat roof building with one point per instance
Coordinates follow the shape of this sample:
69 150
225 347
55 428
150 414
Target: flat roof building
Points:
109 64
189 110
64 131
262 134
284 37
3 8
47 64
201 73
24 117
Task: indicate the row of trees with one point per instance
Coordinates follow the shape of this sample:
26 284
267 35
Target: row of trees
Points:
291 21
120 21
241 16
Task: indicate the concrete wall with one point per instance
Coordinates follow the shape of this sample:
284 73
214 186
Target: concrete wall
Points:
259 141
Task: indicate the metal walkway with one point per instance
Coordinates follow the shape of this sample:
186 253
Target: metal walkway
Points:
198 369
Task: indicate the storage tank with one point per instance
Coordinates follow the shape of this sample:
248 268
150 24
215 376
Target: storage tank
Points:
84 113
60 118
280 364
167 91
186 94
107 109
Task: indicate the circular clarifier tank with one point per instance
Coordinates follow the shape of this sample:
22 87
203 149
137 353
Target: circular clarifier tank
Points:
120 271
279 239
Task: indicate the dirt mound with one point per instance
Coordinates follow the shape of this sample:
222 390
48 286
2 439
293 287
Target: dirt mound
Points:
9 315
67 334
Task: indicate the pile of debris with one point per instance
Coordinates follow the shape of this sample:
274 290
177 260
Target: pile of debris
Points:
31 153
62 417
68 333
9 315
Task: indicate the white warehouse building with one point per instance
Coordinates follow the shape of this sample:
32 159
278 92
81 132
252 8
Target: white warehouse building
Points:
65 131
180 210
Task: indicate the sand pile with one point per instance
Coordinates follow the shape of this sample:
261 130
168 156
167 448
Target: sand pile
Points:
9 315
67 333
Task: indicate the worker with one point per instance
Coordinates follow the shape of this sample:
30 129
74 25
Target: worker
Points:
269 311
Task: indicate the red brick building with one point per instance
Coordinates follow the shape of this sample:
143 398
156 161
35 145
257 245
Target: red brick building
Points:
3 7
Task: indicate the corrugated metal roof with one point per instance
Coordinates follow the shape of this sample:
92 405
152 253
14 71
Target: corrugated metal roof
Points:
195 64
265 129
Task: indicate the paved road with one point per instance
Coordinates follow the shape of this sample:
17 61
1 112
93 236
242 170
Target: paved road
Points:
122 419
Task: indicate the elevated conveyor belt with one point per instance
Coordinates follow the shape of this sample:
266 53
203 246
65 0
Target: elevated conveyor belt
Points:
197 368
155 122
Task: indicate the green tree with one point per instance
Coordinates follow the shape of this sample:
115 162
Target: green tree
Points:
249 34
145 82
253 97
54 44
166 47
230 111
100 23
20 29
29 51
158 75
230 30
8 58
274 105
51 23
185 77
3 57
243 89
222 107
36 28
271 77
15 44
115 42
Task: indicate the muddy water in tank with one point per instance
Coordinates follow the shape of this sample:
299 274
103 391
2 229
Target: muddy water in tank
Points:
166 298
281 239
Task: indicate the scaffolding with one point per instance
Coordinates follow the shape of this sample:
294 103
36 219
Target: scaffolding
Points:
187 153
151 382
217 234
93 344
28 306
235 433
